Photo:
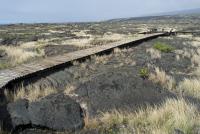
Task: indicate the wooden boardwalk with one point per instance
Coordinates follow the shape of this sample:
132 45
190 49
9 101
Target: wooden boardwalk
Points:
8 75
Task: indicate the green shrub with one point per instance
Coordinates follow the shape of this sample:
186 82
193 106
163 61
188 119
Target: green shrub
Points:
144 73
163 47
4 65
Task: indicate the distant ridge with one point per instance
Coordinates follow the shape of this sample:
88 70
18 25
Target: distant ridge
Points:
181 12
195 11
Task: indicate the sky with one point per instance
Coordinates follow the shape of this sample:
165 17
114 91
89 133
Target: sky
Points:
36 11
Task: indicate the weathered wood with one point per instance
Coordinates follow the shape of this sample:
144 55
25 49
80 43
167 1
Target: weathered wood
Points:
24 70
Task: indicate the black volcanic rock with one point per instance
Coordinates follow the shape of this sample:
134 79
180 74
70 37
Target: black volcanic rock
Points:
55 112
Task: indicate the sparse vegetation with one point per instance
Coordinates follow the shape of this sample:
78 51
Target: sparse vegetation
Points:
160 77
31 94
101 59
190 87
18 55
166 119
163 47
195 59
196 71
144 73
155 54
107 82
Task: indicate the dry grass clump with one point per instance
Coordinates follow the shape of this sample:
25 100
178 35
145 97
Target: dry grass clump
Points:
90 40
195 60
101 59
17 55
185 36
29 45
81 43
186 53
23 53
82 33
114 37
178 57
117 50
198 51
164 119
196 38
160 77
99 42
155 54
106 39
168 38
76 63
179 51
195 44
122 54
193 41
32 93
34 44
196 71
68 90
190 87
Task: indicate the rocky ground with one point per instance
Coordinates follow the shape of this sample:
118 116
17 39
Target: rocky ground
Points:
131 90
114 82
37 41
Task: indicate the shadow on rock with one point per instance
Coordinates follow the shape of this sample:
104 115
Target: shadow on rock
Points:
56 112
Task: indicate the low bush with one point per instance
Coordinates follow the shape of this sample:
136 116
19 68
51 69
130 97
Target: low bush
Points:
163 47
144 73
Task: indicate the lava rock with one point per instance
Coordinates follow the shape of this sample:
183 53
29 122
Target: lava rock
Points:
55 112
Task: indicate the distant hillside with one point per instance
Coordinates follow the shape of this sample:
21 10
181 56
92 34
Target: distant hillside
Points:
182 12
165 15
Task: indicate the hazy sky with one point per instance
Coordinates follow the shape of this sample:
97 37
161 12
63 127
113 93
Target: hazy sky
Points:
15 11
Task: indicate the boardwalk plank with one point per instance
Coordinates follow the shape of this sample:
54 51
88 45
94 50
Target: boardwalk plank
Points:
26 69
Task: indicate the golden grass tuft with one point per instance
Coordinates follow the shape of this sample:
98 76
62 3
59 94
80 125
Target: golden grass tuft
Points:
163 119
160 77
114 37
195 60
20 54
101 59
76 63
117 50
198 51
81 43
196 71
195 44
185 53
190 37
190 87
155 54
68 90
32 93
178 57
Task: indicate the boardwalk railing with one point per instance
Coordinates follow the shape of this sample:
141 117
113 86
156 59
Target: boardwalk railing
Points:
24 70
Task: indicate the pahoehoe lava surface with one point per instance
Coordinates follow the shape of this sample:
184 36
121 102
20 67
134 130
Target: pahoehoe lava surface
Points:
115 83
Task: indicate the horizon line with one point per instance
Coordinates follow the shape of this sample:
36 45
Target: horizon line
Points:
159 14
